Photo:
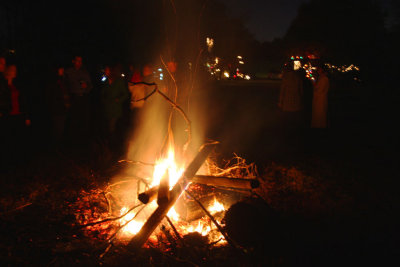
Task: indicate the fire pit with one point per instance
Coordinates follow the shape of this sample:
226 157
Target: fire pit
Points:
175 206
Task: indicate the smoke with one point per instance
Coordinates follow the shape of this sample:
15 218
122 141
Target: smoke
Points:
158 125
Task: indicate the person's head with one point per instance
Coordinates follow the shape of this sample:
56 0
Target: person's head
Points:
10 72
107 71
2 64
77 62
60 71
172 65
147 70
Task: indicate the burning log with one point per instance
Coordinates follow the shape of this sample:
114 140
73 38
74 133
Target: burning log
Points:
149 195
163 190
154 220
237 183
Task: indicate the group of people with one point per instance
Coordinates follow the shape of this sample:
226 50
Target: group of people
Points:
78 106
297 95
77 102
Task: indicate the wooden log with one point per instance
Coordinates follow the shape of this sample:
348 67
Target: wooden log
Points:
163 190
154 220
238 183
149 195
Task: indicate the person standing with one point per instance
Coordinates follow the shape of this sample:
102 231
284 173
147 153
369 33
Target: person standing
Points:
290 98
291 103
320 100
17 120
58 102
79 86
5 98
114 95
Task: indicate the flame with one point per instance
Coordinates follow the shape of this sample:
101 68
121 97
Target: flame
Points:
216 207
161 167
132 227
201 228
173 215
164 165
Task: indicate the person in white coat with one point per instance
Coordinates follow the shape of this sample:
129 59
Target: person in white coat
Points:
320 100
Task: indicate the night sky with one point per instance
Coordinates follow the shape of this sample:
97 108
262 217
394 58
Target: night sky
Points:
266 19
270 19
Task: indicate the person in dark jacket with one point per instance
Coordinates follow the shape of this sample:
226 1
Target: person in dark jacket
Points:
79 85
5 97
58 103
114 96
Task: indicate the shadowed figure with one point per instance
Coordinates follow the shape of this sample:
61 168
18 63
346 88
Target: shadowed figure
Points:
79 85
320 100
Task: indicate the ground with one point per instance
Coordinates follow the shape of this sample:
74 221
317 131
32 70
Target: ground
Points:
335 192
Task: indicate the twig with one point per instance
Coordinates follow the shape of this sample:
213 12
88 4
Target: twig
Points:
136 161
18 208
172 77
189 123
108 202
110 219
111 238
174 105
175 231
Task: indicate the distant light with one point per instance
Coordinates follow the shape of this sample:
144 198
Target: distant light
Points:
160 69
210 43
296 65
292 58
241 62
104 78
239 57
247 77
122 75
226 74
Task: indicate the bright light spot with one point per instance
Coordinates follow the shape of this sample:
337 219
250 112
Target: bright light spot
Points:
241 62
103 79
200 228
164 165
239 57
173 215
216 207
247 77
226 74
210 43
133 227
160 69
122 75
296 64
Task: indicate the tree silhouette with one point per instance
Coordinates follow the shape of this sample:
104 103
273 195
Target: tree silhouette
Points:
348 31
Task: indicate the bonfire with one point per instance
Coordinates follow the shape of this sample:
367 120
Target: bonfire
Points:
164 203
